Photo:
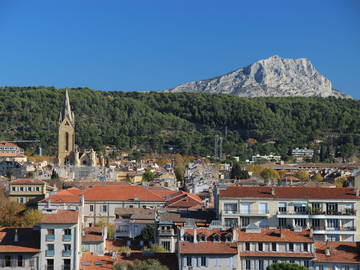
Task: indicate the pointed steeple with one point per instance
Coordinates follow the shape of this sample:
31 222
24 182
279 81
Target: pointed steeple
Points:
67 109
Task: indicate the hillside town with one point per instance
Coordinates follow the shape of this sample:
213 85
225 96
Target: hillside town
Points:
86 211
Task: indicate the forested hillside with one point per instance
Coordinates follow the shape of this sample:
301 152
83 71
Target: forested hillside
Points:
184 122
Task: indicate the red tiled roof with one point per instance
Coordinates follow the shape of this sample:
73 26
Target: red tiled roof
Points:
208 232
121 193
208 247
88 260
340 252
92 234
276 254
28 240
61 217
288 192
275 235
27 181
3 143
184 199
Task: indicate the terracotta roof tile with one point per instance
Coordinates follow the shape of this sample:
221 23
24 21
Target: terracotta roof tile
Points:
28 240
61 217
92 234
27 181
340 252
276 254
208 247
288 192
275 235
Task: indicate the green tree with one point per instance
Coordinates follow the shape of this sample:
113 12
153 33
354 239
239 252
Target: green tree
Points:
286 266
148 176
150 264
54 175
317 177
302 175
147 234
31 217
156 248
237 172
269 174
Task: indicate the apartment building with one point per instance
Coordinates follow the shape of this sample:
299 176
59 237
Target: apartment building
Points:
27 191
259 248
60 240
329 212
211 248
19 248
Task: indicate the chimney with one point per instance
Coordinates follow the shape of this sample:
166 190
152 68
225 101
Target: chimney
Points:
48 204
273 191
195 236
104 232
357 192
16 236
311 233
82 200
327 249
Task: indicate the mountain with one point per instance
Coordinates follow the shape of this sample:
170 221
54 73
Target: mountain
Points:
274 76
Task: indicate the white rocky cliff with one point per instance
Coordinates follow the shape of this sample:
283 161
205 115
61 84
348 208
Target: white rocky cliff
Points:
274 76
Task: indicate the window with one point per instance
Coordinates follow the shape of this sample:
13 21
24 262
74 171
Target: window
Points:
20 262
21 200
29 189
51 231
230 208
282 207
316 209
291 247
21 188
67 231
273 246
91 208
37 188
274 261
245 208
306 263
188 237
261 265
13 188
67 247
245 221
260 247
306 247
188 261
301 222
203 261
104 208
247 246
331 208
263 208
67 264
229 222
50 247
131 206
216 238
332 223
50 264
247 265
7 261
144 206
166 245
31 262
300 208
66 141
315 223
201 237
333 237
282 222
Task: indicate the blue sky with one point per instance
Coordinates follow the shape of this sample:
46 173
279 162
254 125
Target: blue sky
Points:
152 45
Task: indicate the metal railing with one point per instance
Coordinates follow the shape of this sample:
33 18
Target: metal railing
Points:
66 253
66 237
49 253
314 212
343 228
50 237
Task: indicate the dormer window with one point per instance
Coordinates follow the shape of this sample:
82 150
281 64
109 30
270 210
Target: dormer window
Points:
201 237
188 237
216 238
229 238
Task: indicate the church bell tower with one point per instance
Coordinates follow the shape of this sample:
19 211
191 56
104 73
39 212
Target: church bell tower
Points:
66 139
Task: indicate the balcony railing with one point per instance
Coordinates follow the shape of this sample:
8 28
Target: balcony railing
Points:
230 212
66 253
50 237
66 267
315 212
49 253
323 228
49 267
67 237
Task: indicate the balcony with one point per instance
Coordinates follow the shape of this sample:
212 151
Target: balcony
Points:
49 253
317 213
333 230
246 214
66 237
66 253
50 237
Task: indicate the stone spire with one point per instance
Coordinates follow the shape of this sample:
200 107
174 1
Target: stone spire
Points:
67 109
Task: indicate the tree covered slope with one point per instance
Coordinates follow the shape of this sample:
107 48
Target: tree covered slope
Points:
183 122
